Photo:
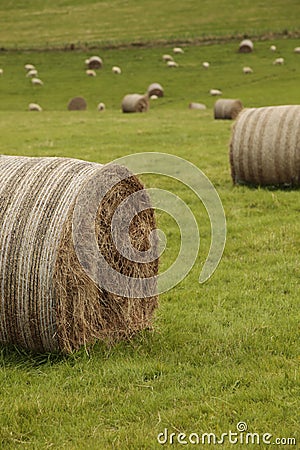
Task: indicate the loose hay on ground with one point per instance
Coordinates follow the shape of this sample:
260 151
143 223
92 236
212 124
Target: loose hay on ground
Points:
48 302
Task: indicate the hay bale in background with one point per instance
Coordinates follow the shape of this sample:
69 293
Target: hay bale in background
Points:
227 108
48 302
265 146
135 103
195 105
77 104
94 62
246 46
155 89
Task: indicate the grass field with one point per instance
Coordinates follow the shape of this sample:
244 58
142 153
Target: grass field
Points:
222 352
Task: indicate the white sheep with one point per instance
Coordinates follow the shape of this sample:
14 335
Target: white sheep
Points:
278 61
1 71
116 70
178 50
297 49
29 67
101 107
167 58
273 48
32 73
36 82
34 107
205 64
90 72
215 92
172 64
247 70
153 97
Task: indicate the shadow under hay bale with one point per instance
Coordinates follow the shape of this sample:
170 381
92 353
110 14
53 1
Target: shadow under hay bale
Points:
227 108
135 103
155 89
265 146
48 301
77 104
246 46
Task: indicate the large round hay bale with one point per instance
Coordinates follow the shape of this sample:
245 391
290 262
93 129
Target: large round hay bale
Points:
246 46
227 108
49 302
94 62
77 104
155 89
135 103
265 146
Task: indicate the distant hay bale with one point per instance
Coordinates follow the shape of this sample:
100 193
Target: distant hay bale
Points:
246 46
94 62
48 301
265 146
34 107
77 104
195 105
155 89
227 108
135 103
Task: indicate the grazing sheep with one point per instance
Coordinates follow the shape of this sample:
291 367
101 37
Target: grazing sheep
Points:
153 97
195 105
32 73
172 64
278 61
297 49
205 65
34 107
29 67
1 71
247 70
273 48
215 92
90 72
167 58
116 70
36 82
178 50
101 107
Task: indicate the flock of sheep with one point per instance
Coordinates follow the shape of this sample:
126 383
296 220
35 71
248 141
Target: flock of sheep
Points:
136 102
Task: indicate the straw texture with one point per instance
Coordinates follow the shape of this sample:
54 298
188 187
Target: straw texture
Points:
265 146
227 108
135 103
47 301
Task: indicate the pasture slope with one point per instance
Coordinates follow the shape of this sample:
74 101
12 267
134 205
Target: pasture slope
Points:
220 353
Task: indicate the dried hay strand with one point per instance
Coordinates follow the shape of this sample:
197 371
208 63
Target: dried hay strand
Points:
246 46
48 302
135 103
227 108
77 104
155 89
265 146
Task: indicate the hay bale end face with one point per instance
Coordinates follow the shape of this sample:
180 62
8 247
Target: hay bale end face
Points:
94 62
135 103
265 146
155 89
77 104
227 108
246 46
48 301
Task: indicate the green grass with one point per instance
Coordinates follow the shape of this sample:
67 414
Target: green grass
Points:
222 352
44 23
